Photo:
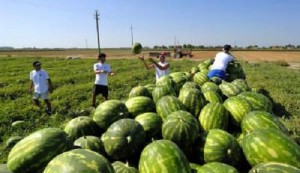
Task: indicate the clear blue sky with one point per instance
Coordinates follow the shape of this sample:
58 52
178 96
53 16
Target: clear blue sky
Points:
71 23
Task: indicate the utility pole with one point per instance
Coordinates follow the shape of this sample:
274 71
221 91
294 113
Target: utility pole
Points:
97 27
131 35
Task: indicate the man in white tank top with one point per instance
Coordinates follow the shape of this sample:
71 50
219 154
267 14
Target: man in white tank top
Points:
221 61
161 68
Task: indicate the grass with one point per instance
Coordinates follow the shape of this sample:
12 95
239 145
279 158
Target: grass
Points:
73 82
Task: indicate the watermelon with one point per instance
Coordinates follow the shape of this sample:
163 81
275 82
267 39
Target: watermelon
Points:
151 123
261 119
108 112
228 89
241 84
162 90
213 116
11 141
193 100
123 138
274 167
150 87
257 101
217 167
181 127
195 167
34 151
168 104
200 78
221 146
140 104
210 86
163 156
121 167
79 161
137 48
270 145
82 126
238 108
190 84
139 91
167 80
212 96
90 142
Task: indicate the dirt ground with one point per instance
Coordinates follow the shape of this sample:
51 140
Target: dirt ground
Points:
292 57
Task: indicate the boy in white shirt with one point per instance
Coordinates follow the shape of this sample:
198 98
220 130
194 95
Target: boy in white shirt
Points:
221 61
41 85
161 68
101 70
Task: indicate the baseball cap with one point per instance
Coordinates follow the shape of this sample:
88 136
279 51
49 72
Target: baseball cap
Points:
227 47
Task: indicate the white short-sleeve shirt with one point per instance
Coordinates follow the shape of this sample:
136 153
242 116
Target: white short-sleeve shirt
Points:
221 61
39 79
101 79
159 73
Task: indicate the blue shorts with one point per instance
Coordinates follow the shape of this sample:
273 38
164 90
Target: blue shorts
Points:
217 73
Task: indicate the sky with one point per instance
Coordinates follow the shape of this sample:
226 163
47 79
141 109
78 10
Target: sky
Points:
72 23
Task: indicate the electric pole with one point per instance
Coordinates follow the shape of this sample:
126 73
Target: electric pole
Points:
97 27
131 35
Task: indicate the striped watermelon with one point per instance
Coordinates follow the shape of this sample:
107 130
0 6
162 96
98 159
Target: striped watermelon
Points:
217 167
261 119
163 156
257 101
123 138
140 104
238 108
79 161
82 126
212 96
90 142
213 116
181 127
162 90
150 87
121 167
139 91
151 123
228 89
210 86
193 100
221 146
274 167
190 84
108 112
241 84
136 48
200 78
167 80
270 145
34 151
168 104
195 70
195 167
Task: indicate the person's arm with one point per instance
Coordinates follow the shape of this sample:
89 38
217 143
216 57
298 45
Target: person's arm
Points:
31 86
159 66
50 85
148 66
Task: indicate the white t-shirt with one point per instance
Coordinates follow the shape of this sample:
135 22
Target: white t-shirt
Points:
158 72
101 79
221 61
39 79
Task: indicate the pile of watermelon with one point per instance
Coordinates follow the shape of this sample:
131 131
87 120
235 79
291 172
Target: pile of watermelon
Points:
182 124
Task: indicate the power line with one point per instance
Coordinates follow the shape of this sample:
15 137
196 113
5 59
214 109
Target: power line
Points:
131 34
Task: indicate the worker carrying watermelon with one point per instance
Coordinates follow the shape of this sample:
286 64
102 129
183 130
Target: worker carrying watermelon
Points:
221 61
161 68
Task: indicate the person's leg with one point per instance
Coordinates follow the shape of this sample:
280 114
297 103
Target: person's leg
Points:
48 104
36 99
105 93
95 93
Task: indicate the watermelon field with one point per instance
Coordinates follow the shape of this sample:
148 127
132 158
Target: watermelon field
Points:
182 123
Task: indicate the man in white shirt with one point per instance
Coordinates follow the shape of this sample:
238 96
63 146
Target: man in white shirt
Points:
41 85
161 68
221 61
102 70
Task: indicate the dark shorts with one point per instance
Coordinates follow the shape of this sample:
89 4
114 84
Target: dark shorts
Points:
101 89
217 73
